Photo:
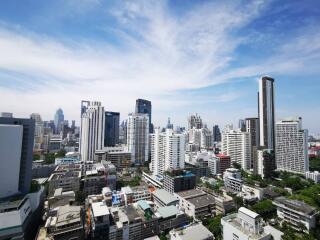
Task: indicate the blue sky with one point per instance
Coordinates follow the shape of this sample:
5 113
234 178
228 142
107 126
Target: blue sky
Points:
185 56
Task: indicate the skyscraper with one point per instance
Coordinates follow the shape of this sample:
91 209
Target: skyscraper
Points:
266 112
242 125
145 107
21 132
252 127
194 121
216 134
167 151
111 129
292 146
58 119
138 137
92 130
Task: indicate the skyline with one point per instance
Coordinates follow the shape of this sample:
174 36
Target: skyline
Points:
184 58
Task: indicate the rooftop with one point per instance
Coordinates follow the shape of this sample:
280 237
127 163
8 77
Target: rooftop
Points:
248 212
194 231
166 212
165 196
68 214
296 205
191 193
99 209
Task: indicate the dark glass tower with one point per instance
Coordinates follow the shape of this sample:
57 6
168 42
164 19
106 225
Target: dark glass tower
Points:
216 133
111 129
144 106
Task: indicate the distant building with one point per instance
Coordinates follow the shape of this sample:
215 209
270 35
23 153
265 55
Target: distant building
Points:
58 120
314 176
111 134
16 147
292 146
178 180
194 121
145 107
167 151
218 164
118 156
296 213
138 137
92 130
216 133
192 231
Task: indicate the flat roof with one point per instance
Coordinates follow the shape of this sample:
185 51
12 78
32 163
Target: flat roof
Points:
195 231
99 209
165 196
190 193
296 205
202 201
168 211
248 212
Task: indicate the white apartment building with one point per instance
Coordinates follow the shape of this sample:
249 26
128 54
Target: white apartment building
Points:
201 137
167 151
92 130
292 146
237 145
232 180
315 176
138 137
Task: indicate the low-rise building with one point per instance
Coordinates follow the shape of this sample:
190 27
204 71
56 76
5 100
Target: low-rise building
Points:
251 193
296 213
232 180
314 176
196 202
163 198
192 231
223 204
118 156
178 180
67 180
61 198
244 225
99 219
135 194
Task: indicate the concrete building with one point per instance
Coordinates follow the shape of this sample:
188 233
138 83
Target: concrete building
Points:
138 137
100 220
55 143
167 151
223 204
237 145
244 225
92 130
232 180
145 107
216 133
266 112
16 147
314 176
118 156
111 128
196 203
58 120
218 164
296 213
265 162
194 121
178 180
67 180
190 232
292 146
252 127
163 198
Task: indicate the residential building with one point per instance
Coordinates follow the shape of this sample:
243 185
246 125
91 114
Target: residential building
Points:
237 145
296 213
67 180
194 121
218 164
192 231
292 146
92 130
16 147
266 112
314 176
223 204
178 180
138 137
145 107
111 129
100 220
196 203
232 180
55 143
265 162
244 225
252 127
119 156
167 151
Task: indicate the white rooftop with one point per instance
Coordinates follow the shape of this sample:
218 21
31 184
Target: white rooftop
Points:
99 209
248 212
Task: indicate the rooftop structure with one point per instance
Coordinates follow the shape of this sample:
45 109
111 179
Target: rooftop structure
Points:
193 231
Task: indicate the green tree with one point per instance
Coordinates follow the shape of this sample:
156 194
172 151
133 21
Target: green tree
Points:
265 209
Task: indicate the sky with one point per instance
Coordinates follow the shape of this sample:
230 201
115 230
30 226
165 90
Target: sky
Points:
185 56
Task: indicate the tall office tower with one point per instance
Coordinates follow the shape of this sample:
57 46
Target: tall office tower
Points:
39 131
292 146
265 162
167 151
138 137
169 124
16 148
111 129
144 106
216 134
237 145
266 112
194 121
92 130
242 125
252 127
123 132
206 138
58 119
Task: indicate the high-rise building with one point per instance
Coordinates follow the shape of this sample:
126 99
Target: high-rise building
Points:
123 132
242 125
92 130
266 112
167 151
111 128
39 131
16 147
169 124
252 127
145 107
237 145
292 146
265 162
194 121
58 119
216 134
138 137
